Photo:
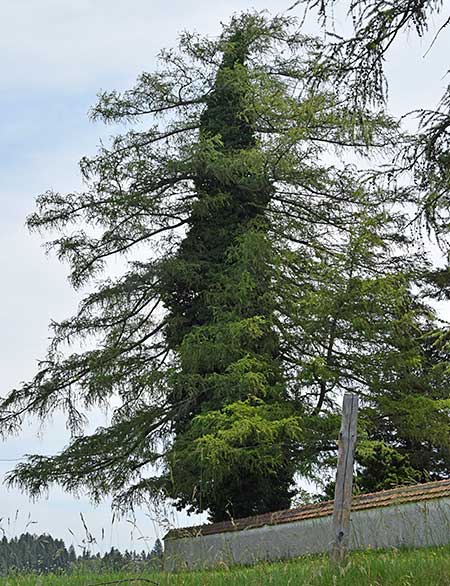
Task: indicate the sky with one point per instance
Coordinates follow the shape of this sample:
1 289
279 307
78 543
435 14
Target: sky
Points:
55 56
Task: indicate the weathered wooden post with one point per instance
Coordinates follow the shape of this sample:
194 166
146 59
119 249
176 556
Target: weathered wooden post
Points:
344 478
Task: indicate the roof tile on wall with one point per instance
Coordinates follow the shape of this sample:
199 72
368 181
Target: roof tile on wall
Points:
385 498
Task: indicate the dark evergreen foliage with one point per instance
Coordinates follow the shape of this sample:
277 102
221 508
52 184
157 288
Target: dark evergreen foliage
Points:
44 554
32 553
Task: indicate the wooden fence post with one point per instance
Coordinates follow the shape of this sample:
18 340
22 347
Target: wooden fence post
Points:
344 478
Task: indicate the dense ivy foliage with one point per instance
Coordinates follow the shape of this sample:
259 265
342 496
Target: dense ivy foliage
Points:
266 275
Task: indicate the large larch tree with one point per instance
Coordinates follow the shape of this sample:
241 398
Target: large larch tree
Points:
265 276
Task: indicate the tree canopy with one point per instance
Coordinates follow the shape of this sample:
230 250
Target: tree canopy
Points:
269 270
357 63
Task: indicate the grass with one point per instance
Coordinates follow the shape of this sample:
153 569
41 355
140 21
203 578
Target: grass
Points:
425 567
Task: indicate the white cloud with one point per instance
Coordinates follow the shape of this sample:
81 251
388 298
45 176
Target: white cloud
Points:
49 43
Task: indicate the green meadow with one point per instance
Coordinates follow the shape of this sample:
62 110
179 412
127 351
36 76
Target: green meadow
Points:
427 567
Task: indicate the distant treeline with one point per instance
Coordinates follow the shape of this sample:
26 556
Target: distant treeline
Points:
43 553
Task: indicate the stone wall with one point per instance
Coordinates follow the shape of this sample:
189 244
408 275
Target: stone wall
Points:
410 524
